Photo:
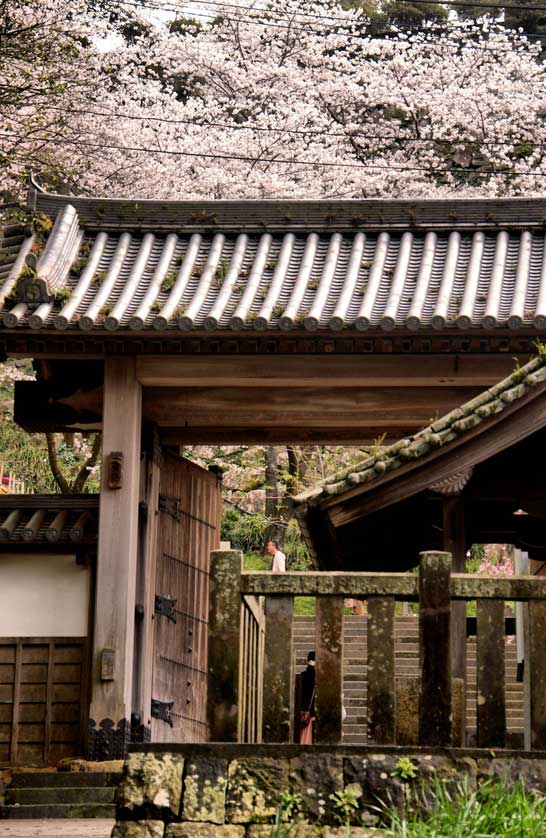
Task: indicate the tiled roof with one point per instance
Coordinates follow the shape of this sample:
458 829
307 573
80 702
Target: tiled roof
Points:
452 426
53 519
312 265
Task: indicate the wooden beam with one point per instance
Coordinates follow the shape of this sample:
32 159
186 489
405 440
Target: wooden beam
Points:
117 561
288 435
329 408
322 370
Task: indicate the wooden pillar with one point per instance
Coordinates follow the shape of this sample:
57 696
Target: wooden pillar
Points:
381 681
329 681
435 649
224 640
109 726
278 676
146 587
455 543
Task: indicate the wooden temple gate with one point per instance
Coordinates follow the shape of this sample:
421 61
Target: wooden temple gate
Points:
437 719
260 322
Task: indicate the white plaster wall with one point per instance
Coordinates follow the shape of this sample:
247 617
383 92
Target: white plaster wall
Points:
43 596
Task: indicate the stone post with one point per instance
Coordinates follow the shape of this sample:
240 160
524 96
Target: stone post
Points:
435 649
278 686
224 631
381 682
329 652
491 707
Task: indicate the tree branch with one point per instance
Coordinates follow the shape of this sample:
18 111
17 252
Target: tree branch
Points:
88 466
60 479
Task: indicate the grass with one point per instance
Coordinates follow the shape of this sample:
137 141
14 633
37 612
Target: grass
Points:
494 809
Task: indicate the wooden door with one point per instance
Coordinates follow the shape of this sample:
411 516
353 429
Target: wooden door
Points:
188 529
43 699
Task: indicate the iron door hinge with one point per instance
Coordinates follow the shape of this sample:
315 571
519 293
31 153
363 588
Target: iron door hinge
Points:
162 710
170 505
164 607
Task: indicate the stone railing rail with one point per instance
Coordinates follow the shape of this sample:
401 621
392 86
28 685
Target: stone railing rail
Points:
262 678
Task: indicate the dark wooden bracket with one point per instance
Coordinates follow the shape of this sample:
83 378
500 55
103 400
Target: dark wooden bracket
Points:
164 607
162 710
170 505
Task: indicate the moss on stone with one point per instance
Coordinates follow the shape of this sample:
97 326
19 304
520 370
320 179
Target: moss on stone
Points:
151 786
254 789
138 829
205 786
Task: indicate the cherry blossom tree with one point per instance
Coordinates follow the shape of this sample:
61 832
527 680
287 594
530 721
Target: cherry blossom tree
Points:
298 101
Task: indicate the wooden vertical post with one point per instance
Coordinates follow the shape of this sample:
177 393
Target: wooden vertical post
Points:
109 728
455 543
536 674
224 630
381 681
329 679
278 704
491 704
435 649
260 677
146 586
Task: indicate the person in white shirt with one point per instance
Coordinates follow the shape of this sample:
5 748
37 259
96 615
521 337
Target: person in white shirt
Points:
278 562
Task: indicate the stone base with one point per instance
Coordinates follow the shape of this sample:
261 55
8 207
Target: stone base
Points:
236 791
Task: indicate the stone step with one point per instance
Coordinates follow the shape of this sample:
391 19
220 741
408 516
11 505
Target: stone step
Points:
60 794
59 810
67 779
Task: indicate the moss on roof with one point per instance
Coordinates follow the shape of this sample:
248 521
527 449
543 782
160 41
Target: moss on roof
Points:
440 432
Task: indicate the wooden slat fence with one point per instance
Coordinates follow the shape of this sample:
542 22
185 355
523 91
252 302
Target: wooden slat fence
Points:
251 671
238 673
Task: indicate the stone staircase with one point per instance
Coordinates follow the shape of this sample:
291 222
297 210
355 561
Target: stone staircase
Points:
60 794
407 666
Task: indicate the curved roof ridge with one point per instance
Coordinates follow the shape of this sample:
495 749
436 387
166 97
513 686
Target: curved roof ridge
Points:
289 213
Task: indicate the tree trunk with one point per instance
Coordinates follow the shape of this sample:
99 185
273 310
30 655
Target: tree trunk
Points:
272 495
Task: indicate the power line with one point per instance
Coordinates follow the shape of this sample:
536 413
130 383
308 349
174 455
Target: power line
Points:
388 37
312 15
464 3
297 131
275 161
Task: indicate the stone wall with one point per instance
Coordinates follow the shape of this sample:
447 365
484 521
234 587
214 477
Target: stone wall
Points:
233 791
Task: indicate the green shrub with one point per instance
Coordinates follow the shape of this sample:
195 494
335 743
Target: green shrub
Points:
246 532
249 533
492 811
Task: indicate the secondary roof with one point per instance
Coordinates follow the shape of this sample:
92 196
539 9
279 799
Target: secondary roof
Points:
491 450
